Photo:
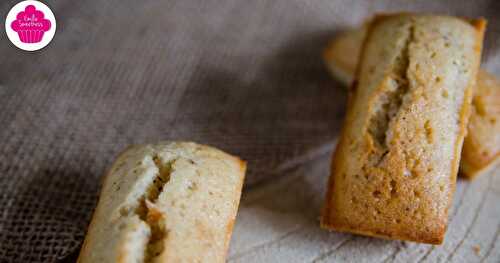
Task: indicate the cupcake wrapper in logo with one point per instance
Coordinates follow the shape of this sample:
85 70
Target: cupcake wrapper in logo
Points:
30 25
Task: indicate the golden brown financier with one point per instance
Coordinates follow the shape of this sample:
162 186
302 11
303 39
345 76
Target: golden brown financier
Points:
481 150
169 202
394 170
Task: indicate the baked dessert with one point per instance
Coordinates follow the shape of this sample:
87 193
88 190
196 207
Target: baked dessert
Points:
394 170
342 54
169 202
481 151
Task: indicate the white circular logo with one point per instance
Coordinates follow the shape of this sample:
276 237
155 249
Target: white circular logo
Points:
30 25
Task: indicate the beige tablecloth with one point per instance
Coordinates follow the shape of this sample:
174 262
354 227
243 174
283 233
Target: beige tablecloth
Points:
245 76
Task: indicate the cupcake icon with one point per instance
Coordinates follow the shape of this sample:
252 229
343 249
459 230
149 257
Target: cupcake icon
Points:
30 25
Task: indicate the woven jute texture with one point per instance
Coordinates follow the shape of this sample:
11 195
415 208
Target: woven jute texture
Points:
244 76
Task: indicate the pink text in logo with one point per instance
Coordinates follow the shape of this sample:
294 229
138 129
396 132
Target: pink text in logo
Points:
30 25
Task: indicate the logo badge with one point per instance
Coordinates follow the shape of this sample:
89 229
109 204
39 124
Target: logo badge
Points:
30 25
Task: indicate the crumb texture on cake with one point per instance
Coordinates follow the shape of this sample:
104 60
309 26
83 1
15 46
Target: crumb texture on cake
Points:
481 150
394 170
168 202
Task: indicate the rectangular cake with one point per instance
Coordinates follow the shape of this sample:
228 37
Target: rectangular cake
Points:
167 202
394 170
481 152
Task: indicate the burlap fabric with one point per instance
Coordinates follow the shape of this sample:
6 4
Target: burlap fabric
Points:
244 76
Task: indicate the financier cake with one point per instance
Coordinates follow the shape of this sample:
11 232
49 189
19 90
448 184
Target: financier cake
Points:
168 202
394 170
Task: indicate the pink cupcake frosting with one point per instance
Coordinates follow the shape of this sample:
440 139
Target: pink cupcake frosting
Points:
30 25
